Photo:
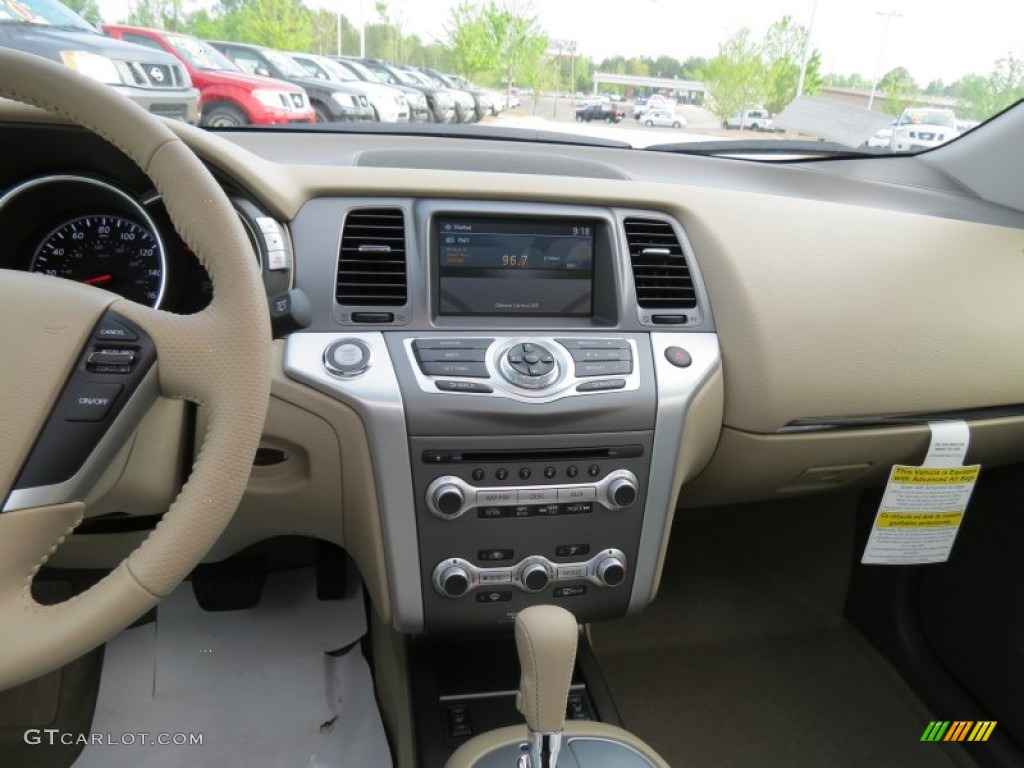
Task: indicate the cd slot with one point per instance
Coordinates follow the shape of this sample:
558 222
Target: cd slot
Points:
529 454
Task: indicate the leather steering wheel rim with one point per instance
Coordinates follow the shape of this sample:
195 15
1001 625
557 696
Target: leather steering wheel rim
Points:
219 358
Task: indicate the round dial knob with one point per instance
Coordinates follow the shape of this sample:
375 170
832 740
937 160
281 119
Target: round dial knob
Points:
452 581
534 577
622 492
446 501
529 365
611 571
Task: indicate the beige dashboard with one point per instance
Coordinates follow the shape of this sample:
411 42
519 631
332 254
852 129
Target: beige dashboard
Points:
824 310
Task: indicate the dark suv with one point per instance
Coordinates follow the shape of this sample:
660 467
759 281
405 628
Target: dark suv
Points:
441 101
603 111
152 79
332 102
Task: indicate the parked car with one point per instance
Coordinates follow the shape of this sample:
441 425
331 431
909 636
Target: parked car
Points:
440 100
923 128
389 104
655 101
480 101
228 97
153 79
488 102
332 102
880 140
663 117
604 110
752 120
462 101
419 108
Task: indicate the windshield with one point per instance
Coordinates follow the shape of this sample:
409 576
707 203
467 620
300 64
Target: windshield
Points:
201 55
288 66
45 12
812 71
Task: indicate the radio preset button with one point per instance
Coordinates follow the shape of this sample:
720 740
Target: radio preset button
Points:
478 474
549 472
501 474
572 471
525 473
593 470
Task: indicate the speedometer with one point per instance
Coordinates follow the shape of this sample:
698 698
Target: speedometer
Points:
111 252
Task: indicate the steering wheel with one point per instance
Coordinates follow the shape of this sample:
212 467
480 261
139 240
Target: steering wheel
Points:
219 358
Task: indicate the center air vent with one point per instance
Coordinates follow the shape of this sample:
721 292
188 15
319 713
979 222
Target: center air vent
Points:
660 273
371 262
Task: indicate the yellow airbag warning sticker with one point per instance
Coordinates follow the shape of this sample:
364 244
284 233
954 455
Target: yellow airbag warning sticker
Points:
922 508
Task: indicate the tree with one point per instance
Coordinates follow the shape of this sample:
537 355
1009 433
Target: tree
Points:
469 40
783 50
87 9
283 24
517 36
983 96
899 88
735 78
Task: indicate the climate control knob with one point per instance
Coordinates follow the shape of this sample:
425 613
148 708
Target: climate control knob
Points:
533 577
611 571
445 499
621 491
451 580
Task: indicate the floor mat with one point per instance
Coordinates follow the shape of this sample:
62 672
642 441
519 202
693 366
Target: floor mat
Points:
745 660
257 687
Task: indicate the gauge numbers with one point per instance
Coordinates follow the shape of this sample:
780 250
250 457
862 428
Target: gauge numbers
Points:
110 252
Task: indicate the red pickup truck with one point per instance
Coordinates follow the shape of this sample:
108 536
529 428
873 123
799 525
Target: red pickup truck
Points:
228 96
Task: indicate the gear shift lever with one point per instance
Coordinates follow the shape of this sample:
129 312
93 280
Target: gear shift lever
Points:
546 642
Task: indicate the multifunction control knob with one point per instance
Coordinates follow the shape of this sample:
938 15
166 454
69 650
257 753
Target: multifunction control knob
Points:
534 575
445 498
620 490
529 365
611 571
451 580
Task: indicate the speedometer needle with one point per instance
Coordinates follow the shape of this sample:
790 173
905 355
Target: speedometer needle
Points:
98 279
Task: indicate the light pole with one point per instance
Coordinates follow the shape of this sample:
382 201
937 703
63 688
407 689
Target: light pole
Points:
881 50
807 53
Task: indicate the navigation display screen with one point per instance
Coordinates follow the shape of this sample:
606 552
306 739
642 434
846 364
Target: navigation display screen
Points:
497 266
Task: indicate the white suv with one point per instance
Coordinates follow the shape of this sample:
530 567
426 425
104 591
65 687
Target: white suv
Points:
923 128
751 119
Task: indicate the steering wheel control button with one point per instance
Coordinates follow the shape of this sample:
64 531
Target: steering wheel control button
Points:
111 330
447 385
110 360
679 357
347 358
92 401
601 385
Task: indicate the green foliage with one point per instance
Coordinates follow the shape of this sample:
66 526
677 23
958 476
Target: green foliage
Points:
900 90
747 73
854 81
983 96
87 9
472 50
735 78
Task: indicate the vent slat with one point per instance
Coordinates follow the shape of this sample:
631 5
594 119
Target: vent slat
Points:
662 280
371 259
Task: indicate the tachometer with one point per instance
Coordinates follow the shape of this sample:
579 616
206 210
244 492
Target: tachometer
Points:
111 252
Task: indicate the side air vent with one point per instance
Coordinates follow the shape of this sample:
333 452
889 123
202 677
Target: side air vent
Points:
660 273
371 262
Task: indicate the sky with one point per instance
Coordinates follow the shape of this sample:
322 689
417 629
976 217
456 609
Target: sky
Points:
933 39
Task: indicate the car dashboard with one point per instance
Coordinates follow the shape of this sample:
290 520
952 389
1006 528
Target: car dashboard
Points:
523 357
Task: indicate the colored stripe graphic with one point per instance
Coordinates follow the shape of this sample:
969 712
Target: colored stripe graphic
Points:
958 730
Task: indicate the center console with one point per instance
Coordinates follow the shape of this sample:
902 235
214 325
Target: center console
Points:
524 396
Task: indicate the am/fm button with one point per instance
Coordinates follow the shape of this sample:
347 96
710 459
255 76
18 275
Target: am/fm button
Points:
92 401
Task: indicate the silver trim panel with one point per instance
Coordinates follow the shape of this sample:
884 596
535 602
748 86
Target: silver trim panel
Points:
677 387
376 397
